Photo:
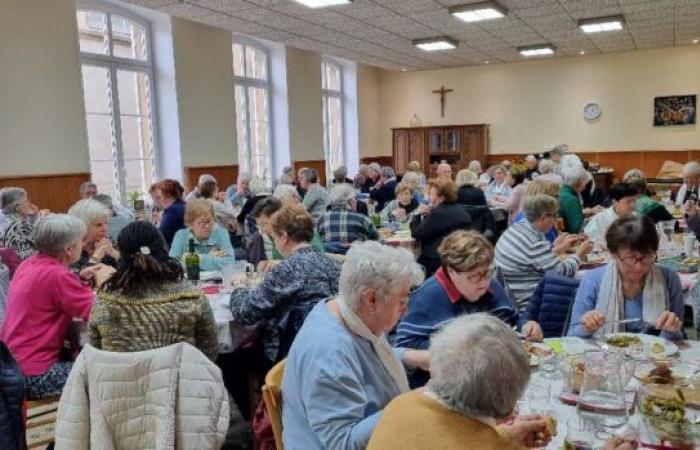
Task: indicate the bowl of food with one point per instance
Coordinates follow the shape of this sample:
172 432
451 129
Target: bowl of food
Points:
669 415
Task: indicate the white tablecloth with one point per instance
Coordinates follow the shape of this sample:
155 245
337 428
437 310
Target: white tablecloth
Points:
229 333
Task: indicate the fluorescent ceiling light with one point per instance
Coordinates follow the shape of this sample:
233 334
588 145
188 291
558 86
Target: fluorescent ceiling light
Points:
323 3
436 44
537 50
477 12
601 24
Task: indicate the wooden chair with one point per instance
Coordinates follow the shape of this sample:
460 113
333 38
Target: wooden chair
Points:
272 395
41 422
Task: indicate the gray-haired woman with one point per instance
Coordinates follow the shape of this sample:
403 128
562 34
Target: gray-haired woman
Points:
479 370
342 347
16 221
44 299
689 189
97 248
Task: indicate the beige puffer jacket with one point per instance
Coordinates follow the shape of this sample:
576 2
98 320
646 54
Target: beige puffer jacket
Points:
168 398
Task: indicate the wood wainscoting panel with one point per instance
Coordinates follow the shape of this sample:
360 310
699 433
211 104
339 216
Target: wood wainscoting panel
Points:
318 164
225 175
381 160
56 192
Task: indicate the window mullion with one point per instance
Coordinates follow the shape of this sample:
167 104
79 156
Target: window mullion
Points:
248 146
118 144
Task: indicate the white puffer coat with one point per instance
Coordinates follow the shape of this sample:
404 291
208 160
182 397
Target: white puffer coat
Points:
168 398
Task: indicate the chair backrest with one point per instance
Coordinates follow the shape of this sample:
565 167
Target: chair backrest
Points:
272 395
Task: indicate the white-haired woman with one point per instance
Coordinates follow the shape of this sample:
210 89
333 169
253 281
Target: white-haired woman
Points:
498 191
342 347
570 204
16 221
403 207
287 193
97 248
546 169
531 171
479 371
342 224
415 181
689 189
467 191
43 300
362 180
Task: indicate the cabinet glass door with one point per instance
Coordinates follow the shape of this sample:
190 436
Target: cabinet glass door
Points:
435 141
452 140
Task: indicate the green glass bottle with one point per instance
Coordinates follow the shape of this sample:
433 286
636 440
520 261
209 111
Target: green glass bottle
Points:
192 263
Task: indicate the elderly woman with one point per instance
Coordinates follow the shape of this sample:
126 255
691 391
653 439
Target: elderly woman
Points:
444 171
290 290
463 285
547 171
146 303
524 254
286 193
414 166
441 218
316 196
416 183
342 225
362 180
373 170
479 371
536 187
689 189
383 192
211 242
623 197
531 171
498 190
225 215
403 207
173 216
467 192
238 194
342 347
340 176
645 205
570 204
630 286
97 248
44 298
16 221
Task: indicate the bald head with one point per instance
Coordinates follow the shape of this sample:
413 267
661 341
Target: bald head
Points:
444 171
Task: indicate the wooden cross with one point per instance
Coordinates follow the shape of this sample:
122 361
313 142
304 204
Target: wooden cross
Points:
443 92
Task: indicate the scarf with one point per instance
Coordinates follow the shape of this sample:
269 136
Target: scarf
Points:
610 300
381 347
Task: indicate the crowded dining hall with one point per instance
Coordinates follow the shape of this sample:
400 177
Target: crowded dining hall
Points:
349 224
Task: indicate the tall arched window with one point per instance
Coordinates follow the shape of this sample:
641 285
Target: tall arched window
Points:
252 91
117 72
332 84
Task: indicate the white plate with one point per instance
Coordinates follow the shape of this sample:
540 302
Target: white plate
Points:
681 371
670 348
572 345
207 275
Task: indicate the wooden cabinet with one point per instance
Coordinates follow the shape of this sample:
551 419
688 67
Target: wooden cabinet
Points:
456 145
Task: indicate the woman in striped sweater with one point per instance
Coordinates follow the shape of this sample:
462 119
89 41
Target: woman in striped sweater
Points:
524 254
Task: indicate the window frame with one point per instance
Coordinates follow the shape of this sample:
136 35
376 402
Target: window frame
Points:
248 82
326 94
113 64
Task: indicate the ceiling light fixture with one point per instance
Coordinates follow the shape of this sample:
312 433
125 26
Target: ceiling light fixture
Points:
487 62
537 50
477 12
695 41
582 52
601 24
323 3
435 44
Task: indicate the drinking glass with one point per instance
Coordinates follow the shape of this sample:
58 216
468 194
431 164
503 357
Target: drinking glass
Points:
579 434
539 396
667 227
602 397
548 365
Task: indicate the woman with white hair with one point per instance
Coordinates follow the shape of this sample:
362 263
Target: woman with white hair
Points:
97 248
689 189
414 180
340 176
403 207
44 298
16 224
479 370
383 192
362 180
341 225
570 204
341 372
531 171
546 169
467 192
287 193
498 191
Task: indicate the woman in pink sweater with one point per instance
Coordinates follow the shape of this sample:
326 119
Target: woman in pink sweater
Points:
43 299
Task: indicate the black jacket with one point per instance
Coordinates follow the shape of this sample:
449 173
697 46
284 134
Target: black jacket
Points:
11 397
470 195
384 194
431 229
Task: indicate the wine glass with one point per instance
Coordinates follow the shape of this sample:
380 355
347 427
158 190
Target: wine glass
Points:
602 396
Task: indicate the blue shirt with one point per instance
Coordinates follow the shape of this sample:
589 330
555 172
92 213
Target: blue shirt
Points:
217 240
551 234
173 219
334 388
587 297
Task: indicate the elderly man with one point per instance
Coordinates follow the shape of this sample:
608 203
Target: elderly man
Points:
342 225
444 171
384 191
239 193
88 190
316 197
689 189
556 154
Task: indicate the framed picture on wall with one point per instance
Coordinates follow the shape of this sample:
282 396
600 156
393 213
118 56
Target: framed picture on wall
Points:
675 110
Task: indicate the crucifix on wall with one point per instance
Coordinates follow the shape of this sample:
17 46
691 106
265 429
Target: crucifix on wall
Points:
443 92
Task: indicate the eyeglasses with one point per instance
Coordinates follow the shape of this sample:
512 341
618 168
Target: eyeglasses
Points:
644 260
204 223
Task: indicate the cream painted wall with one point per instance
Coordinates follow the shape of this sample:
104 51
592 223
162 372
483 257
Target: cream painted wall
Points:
536 103
305 109
42 121
369 104
204 83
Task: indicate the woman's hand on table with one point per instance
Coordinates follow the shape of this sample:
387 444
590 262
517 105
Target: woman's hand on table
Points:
592 321
216 253
399 213
669 322
529 431
532 331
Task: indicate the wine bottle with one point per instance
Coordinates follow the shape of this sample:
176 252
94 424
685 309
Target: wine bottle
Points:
192 263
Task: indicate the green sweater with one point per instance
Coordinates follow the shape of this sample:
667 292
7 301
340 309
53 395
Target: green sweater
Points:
570 209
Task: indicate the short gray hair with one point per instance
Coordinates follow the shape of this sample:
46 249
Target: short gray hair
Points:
412 179
536 206
10 197
530 158
288 170
691 168
340 173
387 172
341 194
478 366
546 166
311 175
634 174
474 166
284 191
466 177
561 149
573 174
89 210
105 199
243 176
363 169
56 231
203 178
371 265
375 166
